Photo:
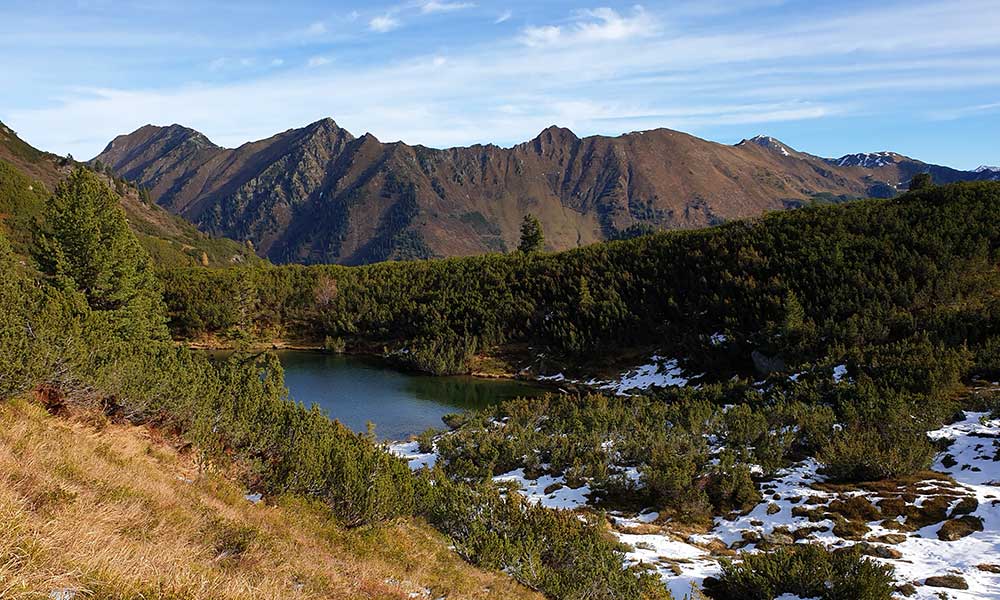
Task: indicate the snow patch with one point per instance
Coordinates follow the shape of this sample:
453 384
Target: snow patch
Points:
410 451
976 470
659 372
559 495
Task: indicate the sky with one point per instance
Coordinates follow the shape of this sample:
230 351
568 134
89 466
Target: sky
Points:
917 77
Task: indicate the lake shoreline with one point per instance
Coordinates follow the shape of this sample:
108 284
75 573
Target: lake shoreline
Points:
299 345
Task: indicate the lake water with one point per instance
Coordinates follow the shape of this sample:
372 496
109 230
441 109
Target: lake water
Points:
355 390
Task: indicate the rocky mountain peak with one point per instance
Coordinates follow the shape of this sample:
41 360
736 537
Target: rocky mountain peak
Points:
766 141
868 160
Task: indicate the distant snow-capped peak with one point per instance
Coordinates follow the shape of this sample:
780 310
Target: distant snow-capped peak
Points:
868 160
987 169
770 143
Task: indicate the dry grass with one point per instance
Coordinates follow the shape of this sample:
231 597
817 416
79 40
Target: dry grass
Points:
109 511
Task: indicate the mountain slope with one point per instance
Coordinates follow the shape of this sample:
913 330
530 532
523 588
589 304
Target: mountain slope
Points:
92 509
28 175
319 194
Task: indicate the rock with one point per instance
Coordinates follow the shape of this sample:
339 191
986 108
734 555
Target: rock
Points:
879 551
779 539
717 547
765 364
891 538
850 530
989 568
954 582
965 506
957 529
907 589
773 509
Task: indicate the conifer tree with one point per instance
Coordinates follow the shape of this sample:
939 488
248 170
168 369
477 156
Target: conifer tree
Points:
532 238
87 246
13 324
921 181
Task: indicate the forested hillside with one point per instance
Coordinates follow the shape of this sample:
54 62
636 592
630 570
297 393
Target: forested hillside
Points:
831 340
815 284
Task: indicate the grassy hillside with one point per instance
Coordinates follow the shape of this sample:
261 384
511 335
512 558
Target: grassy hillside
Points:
115 511
28 176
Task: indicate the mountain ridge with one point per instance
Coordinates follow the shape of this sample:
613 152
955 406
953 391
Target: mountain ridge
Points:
319 194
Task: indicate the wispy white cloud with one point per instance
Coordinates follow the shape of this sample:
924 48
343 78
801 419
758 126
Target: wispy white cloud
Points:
384 23
594 26
503 17
541 36
434 6
317 61
316 29
953 113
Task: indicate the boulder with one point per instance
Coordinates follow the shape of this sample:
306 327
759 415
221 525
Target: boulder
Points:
957 529
954 582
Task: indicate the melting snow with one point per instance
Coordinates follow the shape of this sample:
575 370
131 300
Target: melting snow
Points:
410 451
559 494
659 372
976 471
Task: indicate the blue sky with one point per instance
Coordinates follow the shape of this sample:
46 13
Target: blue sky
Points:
918 77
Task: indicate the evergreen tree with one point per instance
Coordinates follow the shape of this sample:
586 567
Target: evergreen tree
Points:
921 181
87 246
532 238
14 332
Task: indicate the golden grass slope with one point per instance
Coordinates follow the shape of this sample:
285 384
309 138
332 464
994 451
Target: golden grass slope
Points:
109 511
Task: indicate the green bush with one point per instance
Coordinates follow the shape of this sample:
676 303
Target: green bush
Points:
551 551
869 454
807 571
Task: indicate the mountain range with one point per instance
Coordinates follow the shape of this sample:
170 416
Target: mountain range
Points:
319 194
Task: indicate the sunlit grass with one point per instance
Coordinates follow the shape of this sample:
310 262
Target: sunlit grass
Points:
116 513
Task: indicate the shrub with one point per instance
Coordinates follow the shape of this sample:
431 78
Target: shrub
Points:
730 486
551 551
335 345
807 571
865 453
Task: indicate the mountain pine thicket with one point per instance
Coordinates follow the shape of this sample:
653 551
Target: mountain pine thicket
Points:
84 326
901 294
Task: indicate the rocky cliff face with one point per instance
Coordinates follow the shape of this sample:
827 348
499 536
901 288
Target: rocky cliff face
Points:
319 194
